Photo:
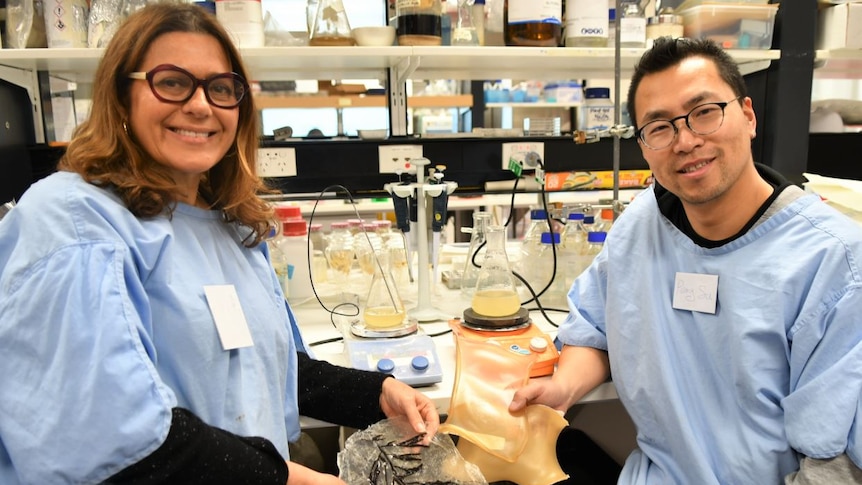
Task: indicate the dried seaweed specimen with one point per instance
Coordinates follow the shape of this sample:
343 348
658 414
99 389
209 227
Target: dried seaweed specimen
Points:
382 455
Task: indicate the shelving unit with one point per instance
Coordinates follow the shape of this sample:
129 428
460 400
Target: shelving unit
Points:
359 101
407 62
828 152
396 63
838 64
776 78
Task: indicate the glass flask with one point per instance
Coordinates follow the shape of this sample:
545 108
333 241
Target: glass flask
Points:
495 294
383 308
330 27
481 221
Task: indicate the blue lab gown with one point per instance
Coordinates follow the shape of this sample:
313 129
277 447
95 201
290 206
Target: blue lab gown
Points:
104 328
735 396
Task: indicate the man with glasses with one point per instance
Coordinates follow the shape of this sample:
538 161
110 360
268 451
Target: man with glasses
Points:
726 304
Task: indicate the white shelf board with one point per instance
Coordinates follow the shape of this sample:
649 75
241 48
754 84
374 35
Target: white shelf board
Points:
838 64
416 62
538 104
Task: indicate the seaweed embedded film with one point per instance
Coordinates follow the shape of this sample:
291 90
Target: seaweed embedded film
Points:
390 453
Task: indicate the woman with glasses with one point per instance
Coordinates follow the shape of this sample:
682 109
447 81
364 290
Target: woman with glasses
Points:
144 337
726 303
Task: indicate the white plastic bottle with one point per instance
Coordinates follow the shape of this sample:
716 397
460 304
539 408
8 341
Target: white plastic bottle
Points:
597 113
297 249
586 23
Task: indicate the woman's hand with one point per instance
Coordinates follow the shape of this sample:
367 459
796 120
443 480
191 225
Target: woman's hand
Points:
399 399
302 475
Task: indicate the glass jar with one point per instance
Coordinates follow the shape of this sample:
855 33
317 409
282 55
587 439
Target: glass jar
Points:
419 22
532 23
586 23
663 25
632 26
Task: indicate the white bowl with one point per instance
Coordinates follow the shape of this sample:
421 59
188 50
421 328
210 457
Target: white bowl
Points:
374 36
372 134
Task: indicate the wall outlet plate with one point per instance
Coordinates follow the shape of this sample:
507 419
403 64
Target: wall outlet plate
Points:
521 152
276 162
393 158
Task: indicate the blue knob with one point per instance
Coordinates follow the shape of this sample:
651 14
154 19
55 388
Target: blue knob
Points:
385 365
420 363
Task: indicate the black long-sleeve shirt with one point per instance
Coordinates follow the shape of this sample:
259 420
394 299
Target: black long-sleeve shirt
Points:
196 453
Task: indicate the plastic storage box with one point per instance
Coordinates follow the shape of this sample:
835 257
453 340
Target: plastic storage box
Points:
732 26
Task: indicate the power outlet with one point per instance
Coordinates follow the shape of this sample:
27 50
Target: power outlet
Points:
393 158
523 153
276 162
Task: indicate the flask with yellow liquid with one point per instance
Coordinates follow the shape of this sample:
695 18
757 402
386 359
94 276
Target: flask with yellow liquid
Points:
384 308
495 294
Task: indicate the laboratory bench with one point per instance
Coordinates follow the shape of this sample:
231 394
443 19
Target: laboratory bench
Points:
316 326
599 414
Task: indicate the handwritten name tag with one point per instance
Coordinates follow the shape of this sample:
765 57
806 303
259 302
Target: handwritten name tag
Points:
695 292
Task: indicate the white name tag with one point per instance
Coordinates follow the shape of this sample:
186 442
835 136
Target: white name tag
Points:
229 318
695 292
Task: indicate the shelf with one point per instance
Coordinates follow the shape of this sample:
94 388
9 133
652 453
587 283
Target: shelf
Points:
414 62
359 101
838 64
539 104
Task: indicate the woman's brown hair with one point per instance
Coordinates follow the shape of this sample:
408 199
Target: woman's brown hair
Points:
103 152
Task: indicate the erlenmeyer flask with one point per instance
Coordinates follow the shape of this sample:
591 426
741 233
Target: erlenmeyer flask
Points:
495 294
330 25
383 308
481 221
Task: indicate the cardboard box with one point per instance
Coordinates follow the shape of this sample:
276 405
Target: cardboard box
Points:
629 179
839 27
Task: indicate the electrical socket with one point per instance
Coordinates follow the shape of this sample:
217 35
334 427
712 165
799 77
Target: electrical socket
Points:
397 157
516 152
276 162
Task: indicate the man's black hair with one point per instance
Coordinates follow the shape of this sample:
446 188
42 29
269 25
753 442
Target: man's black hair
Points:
668 52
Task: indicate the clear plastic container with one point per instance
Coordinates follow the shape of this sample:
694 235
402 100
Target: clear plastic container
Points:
732 26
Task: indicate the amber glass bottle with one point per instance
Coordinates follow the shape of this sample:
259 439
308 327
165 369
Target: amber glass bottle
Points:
532 23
